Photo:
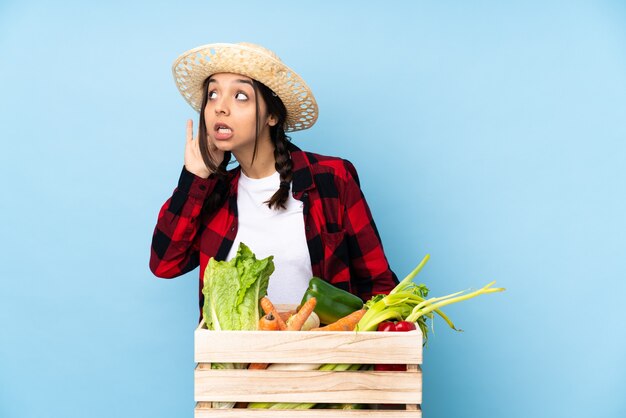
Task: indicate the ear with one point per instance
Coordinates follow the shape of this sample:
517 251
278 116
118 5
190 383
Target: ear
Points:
272 120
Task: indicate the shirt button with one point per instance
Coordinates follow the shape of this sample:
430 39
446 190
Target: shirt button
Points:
305 194
308 228
232 229
202 187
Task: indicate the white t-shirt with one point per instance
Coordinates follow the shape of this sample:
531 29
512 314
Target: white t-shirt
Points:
277 232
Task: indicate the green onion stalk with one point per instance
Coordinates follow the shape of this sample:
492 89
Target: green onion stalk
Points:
409 301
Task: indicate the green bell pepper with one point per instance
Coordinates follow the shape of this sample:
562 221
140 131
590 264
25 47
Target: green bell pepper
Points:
332 303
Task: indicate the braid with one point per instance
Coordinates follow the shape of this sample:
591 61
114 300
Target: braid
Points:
283 165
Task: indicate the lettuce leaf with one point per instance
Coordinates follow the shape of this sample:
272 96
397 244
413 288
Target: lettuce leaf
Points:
232 290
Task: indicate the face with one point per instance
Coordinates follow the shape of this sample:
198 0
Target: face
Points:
230 114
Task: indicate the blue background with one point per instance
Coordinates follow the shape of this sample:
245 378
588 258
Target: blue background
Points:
487 134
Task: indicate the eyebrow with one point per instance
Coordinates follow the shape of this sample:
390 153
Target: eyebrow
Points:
239 80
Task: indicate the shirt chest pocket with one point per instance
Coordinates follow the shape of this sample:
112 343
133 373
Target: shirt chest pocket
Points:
336 267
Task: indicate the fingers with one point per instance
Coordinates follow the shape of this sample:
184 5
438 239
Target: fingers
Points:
189 130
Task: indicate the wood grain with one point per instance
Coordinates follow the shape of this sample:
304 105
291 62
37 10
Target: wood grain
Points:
308 386
310 413
308 347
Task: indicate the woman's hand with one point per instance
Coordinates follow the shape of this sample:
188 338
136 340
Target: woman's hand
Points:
193 159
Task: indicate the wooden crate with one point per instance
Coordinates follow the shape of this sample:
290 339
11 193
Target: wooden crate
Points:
396 394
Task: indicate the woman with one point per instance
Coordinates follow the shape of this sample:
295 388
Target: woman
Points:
305 209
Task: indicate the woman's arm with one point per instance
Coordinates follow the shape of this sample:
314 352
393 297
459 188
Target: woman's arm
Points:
370 270
174 244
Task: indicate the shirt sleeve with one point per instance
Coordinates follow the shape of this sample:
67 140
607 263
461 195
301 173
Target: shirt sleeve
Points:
369 268
174 248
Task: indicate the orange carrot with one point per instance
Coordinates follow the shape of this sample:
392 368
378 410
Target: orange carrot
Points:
268 323
258 366
268 307
296 321
347 323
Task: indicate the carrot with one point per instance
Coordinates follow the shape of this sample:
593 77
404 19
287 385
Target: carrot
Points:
257 366
347 323
297 320
268 323
268 307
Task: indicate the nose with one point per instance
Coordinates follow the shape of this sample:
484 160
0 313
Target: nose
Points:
221 106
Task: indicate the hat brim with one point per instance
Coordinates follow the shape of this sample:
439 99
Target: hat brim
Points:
191 68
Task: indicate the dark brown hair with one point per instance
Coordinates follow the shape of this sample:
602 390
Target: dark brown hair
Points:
278 137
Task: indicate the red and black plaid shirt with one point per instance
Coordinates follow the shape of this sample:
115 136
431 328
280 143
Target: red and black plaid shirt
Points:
342 239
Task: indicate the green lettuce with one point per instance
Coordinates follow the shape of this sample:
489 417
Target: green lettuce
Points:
232 290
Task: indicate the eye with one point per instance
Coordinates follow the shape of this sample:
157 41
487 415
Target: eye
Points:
212 94
241 96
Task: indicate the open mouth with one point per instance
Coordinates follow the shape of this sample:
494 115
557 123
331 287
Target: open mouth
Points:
223 129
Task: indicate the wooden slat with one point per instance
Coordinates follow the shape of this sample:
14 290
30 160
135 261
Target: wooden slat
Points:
310 413
308 386
308 347
287 307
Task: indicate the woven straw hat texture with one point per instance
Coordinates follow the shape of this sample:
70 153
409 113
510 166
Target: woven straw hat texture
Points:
191 68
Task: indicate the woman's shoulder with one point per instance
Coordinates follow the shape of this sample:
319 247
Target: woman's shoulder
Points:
320 164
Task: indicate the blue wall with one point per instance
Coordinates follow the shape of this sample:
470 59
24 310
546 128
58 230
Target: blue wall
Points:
488 134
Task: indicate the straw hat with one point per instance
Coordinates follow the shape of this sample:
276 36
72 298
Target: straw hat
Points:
192 67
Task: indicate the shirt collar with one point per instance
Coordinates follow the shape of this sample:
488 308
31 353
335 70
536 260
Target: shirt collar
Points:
302 178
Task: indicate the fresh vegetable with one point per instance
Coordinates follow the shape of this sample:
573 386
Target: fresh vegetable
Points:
332 303
401 326
268 307
268 323
386 326
258 366
223 366
347 323
296 322
313 321
344 406
408 302
232 290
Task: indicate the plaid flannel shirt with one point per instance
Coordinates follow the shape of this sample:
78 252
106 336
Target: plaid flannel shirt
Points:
342 239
